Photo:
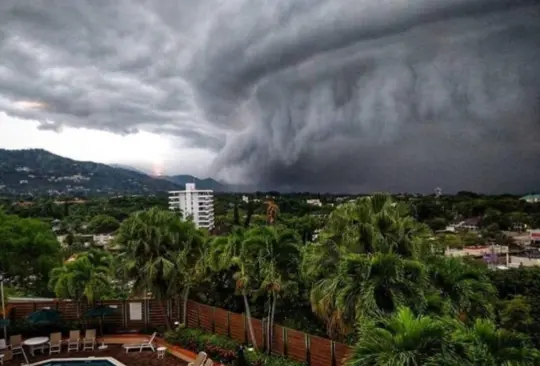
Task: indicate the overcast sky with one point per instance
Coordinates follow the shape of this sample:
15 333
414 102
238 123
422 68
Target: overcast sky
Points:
330 95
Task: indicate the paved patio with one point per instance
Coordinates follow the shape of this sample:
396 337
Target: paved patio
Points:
133 358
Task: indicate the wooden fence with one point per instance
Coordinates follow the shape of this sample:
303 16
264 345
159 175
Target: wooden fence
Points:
138 314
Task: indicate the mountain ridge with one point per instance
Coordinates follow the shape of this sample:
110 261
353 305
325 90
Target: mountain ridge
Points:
38 171
182 179
205 183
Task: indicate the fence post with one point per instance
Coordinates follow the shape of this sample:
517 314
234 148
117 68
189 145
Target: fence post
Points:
264 326
124 314
285 340
246 338
180 316
213 319
308 348
229 324
333 352
146 305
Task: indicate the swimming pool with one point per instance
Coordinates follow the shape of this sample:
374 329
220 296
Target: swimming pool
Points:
91 361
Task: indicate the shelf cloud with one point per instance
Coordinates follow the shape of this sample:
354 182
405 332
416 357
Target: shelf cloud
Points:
334 95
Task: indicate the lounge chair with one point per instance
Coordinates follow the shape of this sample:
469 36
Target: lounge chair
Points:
209 362
199 360
89 340
74 340
55 343
15 344
8 356
147 343
3 344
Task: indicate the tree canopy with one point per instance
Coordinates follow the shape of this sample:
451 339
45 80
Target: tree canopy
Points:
28 252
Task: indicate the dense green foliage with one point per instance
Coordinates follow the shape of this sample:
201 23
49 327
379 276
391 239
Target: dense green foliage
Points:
28 252
155 249
408 339
85 277
369 271
102 224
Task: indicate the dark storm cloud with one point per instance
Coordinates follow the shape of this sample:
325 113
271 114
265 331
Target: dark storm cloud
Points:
329 95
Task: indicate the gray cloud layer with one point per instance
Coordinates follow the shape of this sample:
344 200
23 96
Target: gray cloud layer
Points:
308 94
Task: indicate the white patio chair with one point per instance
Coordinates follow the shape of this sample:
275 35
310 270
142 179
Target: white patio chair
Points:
15 344
55 343
89 341
74 340
147 343
199 360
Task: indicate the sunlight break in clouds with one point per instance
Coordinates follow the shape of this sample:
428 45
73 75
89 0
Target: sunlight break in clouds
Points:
143 150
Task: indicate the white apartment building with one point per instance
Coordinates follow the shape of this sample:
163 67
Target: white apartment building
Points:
195 203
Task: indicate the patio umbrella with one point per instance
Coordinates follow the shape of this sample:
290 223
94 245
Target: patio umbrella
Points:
43 317
100 312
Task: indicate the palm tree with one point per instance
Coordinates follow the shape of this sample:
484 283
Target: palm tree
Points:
484 344
365 262
369 287
190 267
467 289
376 224
149 243
403 339
407 339
238 252
279 257
87 276
305 226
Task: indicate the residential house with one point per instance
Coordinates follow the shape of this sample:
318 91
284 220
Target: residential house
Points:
531 198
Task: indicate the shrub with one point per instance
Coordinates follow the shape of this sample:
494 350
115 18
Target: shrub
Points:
220 348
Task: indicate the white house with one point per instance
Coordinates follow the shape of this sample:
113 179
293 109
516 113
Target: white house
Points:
470 224
197 204
531 198
103 240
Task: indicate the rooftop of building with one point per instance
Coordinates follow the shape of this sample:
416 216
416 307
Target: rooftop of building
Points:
190 187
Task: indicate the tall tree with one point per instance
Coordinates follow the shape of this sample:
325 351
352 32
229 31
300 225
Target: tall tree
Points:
406 339
236 214
149 242
365 262
28 252
467 288
238 252
403 339
88 276
484 344
191 264
279 257
102 224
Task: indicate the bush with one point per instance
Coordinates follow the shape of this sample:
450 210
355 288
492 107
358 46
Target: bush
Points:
150 330
28 330
220 348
